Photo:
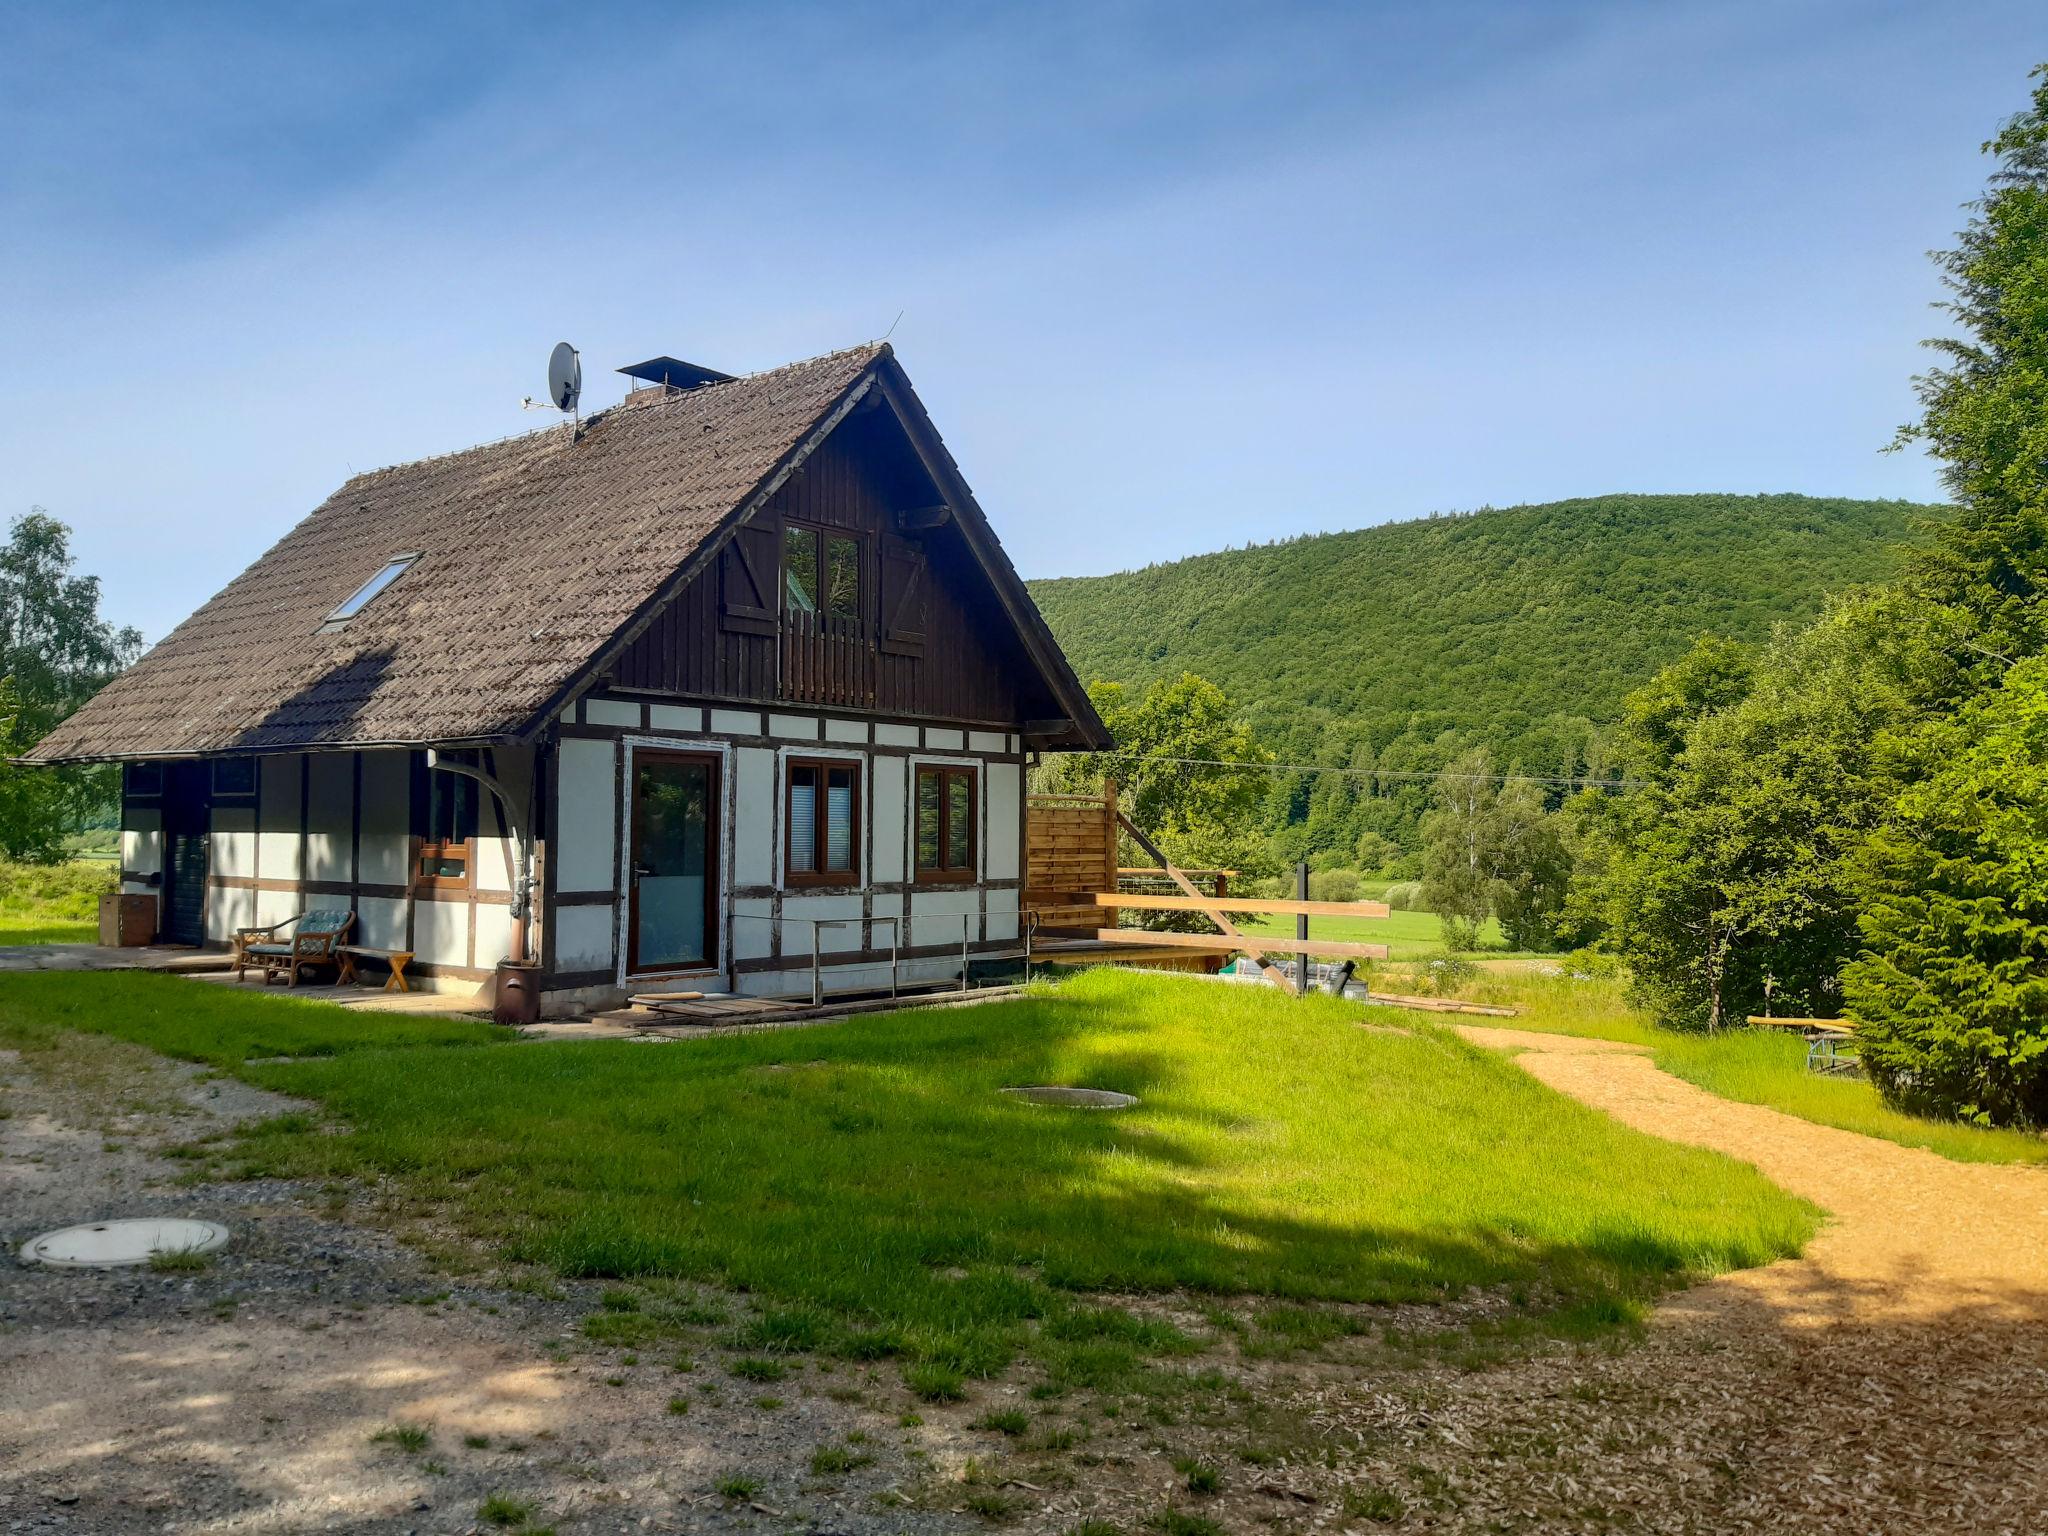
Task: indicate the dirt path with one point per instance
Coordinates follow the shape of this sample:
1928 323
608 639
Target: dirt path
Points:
1893 1378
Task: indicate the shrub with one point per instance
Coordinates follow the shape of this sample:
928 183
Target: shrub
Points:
1334 885
1405 895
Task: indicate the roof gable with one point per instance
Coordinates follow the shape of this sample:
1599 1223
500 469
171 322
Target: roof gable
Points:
538 558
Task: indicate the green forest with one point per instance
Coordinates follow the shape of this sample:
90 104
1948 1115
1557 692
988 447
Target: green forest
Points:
1518 628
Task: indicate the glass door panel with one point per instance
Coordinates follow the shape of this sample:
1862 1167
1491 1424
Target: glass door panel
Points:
675 861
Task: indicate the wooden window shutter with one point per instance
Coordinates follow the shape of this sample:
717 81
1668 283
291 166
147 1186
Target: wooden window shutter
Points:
748 575
903 576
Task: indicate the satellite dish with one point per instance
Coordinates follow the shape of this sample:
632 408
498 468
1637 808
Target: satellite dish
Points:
565 377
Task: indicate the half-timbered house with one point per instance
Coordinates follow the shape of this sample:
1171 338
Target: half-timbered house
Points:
730 671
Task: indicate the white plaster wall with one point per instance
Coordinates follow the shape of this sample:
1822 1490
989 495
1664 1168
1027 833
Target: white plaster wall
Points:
754 816
944 740
846 730
735 722
278 906
796 937
380 922
330 816
935 916
387 821
611 712
674 717
440 931
1001 827
1001 926
986 741
588 811
226 910
277 835
888 808
493 933
751 934
583 938
142 844
887 735
231 843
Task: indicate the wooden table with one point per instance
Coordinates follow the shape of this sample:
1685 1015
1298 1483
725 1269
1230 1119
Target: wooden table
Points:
1824 1039
397 959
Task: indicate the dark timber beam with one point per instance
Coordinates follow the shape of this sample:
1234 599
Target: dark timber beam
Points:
1051 729
923 519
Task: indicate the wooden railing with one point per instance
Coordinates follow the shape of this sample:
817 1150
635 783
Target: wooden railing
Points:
826 660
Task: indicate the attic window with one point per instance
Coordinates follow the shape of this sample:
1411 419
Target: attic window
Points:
359 599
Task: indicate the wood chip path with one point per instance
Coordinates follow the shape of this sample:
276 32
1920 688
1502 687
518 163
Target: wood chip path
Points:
1893 1378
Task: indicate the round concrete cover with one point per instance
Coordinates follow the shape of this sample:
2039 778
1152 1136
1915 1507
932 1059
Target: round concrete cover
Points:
132 1240
1074 1098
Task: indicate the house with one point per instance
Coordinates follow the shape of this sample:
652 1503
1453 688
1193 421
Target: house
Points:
730 670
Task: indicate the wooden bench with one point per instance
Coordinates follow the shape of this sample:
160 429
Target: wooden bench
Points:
397 959
1824 1039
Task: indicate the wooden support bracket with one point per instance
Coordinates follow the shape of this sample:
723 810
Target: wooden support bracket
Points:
1272 972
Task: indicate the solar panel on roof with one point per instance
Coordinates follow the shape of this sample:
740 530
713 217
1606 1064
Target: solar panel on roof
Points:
675 373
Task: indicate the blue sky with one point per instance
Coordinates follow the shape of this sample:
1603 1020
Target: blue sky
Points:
1170 277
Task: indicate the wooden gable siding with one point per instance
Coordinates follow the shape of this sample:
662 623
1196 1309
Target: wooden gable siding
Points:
933 642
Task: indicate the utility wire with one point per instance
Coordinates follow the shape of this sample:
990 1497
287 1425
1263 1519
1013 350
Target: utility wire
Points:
1384 773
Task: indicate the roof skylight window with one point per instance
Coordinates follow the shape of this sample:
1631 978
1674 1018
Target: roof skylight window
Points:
359 599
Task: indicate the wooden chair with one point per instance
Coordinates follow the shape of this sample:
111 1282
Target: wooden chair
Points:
315 937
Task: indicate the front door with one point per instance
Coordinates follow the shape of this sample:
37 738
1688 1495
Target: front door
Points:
187 807
673 920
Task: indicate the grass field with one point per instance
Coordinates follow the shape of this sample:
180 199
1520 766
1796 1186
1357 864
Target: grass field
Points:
877 1195
52 903
1752 1066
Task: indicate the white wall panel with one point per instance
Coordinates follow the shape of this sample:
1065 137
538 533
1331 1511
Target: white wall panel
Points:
1001 825
142 843
387 820
226 910
440 932
380 922
611 712
330 815
754 815
231 845
493 933
888 808
796 937
587 817
583 938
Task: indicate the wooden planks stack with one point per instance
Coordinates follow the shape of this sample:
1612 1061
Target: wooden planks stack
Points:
1069 856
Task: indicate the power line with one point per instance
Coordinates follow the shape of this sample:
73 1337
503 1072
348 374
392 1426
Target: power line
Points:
1386 773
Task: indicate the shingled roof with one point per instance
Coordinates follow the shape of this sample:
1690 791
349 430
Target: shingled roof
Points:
535 556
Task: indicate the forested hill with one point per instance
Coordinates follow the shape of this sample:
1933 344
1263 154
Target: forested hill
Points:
1521 627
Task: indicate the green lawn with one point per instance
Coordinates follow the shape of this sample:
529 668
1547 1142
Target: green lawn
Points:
1753 1066
52 903
1408 935
875 1192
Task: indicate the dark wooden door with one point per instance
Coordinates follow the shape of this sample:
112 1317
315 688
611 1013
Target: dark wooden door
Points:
187 811
674 876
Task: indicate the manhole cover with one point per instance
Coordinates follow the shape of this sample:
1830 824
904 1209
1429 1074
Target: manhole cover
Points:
1074 1098
132 1240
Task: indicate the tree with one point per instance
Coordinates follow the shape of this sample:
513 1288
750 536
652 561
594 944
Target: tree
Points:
1986 410
1759 775
55 653
1951 993
1457 851
1169 741
1491 850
